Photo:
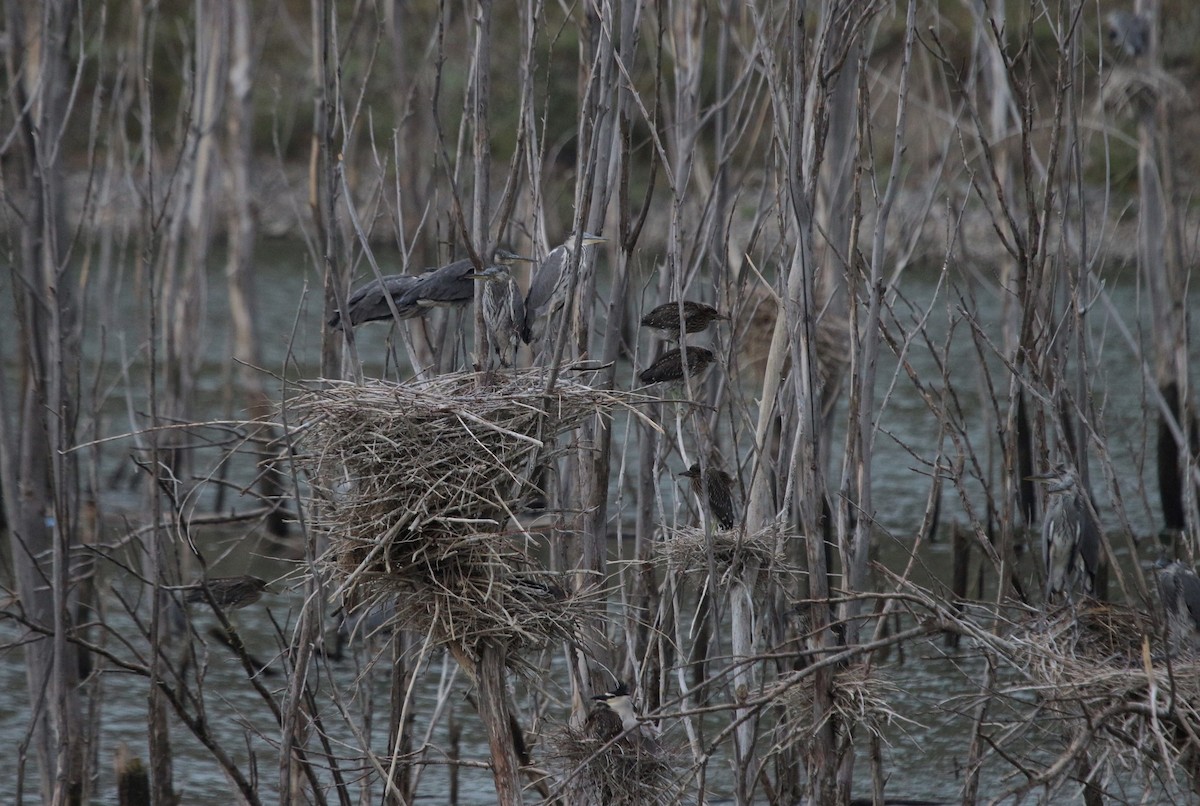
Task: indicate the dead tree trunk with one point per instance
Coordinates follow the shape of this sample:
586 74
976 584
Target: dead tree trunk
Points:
37 423
1164 283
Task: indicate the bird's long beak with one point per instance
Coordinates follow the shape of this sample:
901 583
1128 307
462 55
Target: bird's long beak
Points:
592 240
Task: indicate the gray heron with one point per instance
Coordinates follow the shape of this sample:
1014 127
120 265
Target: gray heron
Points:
452 285
1179 589
696 317
369 302
718 498
548 288
668 367
1070 534
1128 31
503 309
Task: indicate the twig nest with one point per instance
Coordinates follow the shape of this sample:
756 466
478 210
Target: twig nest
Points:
622 771
1103 668
412 483
1136 90
686 549
859 703
1077 645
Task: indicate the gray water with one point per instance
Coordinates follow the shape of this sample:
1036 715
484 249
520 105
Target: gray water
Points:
924 757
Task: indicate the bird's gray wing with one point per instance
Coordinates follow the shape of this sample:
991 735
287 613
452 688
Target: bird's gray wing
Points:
1089 544
1188 586
443 285
545 280
518 306
1049 526
1167 589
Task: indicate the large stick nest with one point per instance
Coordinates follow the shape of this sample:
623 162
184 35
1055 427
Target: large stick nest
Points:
1103 666
619 771
414 483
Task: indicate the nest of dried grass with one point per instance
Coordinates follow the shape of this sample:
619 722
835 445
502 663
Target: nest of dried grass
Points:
1070 646
413 483
1102 664
686 549
1136 91
859 702
623 772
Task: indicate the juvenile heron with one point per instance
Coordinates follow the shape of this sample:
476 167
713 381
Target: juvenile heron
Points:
503 309
369 302
718 499
229 593
1070 534
1179 589
669 366
452 284
696 317
548 288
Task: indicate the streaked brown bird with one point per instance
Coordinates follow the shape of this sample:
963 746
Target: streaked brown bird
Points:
696 317
719 498
229 593
669 366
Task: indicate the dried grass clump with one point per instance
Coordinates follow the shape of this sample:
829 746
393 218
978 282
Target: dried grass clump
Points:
413 482
1103 667
1135 91
1082 646
687 548
859 702
623 772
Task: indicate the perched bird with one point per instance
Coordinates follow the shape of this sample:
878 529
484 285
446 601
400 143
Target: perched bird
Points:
369 303
719 498
503 310
1128 31
229 593
548 289
669 366
1070 534
1179 589
614 715
696 317
452 284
